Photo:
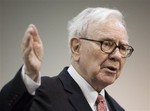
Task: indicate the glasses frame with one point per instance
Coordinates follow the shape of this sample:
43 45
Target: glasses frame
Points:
130 48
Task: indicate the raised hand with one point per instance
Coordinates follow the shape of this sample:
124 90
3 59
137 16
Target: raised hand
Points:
32 51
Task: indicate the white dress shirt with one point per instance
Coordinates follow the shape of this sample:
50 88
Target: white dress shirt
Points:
91 96
88 91
29 83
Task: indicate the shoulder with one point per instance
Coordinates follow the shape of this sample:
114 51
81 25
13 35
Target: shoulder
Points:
55 80
49 81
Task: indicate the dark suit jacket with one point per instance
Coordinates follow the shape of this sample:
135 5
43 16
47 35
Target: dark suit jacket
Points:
60 93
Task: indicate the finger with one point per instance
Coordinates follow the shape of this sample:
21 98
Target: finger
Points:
38 51
28 47
27 36
35 34
37 45
26 54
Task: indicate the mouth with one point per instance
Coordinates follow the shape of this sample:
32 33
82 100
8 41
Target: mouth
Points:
111 69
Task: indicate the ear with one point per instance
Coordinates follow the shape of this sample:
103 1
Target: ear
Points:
75 48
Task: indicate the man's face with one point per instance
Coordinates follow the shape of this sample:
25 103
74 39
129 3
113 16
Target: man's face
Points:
97 67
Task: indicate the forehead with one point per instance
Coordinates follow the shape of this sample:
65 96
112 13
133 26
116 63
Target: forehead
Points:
112 30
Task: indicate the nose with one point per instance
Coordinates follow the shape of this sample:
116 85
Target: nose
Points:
115 55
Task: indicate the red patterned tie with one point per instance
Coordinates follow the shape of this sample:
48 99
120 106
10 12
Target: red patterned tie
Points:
101 103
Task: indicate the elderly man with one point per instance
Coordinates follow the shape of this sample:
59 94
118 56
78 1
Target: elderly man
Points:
99 47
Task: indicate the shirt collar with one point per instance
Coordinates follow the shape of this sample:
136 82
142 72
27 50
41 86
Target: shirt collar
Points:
92 94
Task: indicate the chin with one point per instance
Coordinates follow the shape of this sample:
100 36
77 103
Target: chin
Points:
109 80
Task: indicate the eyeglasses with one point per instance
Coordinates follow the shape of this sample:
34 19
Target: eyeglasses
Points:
109 46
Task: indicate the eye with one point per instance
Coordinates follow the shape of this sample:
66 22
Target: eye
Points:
123 47
108 43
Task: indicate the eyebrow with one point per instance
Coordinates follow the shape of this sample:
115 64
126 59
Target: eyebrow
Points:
111 39
107 39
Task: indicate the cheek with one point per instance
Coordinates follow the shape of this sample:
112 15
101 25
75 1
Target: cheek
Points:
122 63
92 63
93 58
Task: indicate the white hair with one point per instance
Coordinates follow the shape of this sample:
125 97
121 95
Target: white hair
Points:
78 26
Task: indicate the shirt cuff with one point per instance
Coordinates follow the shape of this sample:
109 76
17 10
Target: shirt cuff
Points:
29 83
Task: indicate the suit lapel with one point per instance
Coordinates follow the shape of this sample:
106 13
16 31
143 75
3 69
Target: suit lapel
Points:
75 94
79 103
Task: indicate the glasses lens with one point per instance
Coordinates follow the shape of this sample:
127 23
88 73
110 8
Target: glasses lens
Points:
107 46
125 50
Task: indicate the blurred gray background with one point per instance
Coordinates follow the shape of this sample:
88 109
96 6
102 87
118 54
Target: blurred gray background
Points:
131 90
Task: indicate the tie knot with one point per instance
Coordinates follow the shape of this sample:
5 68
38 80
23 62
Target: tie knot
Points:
101 103
100 99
